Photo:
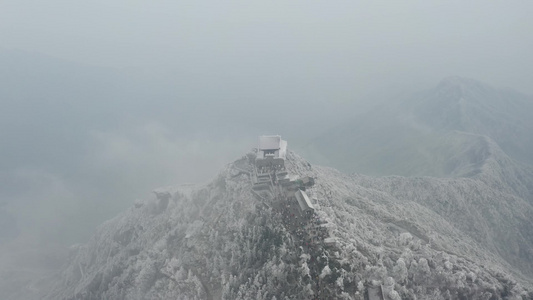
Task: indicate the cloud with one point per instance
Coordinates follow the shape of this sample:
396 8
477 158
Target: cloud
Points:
152 148
41 201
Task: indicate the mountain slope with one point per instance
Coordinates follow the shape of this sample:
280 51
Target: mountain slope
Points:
424 134
412 237
470 106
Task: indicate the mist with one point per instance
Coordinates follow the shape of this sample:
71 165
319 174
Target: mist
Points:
104 101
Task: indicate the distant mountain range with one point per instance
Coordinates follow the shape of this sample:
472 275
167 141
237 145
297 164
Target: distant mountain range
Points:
445 131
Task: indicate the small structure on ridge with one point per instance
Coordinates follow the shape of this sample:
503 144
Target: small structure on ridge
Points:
304 202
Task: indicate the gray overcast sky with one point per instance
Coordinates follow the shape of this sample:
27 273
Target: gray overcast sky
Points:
349 47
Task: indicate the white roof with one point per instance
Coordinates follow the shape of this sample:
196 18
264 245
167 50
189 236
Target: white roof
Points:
303 200
269 142
330 240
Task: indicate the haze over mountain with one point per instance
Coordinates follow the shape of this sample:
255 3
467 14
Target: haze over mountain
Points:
101 101
81 142
471 227
445 131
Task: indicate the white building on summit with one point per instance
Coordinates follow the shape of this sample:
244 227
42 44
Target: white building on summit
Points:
271 152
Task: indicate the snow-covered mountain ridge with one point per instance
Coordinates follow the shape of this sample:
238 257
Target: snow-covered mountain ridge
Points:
426 133
416 238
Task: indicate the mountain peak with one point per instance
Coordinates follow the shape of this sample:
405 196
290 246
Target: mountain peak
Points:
456 87
272 226
458 80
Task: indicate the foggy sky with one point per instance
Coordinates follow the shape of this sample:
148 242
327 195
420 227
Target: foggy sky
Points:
336 49
103 101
